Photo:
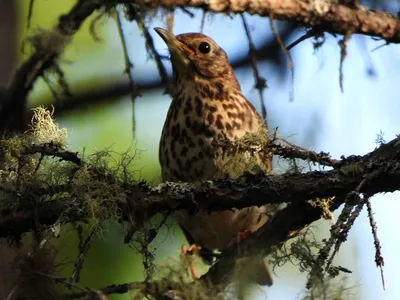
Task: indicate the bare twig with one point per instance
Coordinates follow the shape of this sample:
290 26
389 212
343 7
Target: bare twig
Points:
283 148
342 232
83 248
154 53
63 280
157 289
52 89
128 66
288 150
187 11
169 20
380 46
260 82
378 255
343 54
54 150
339 232
203 20
287 54
62 81
13 291
30 12
313 32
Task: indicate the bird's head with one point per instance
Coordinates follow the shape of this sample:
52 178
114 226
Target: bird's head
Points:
197 55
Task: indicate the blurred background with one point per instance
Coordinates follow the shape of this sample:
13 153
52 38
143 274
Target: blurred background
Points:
99 114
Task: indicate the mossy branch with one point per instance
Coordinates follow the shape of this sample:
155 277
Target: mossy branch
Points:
44 185
379 171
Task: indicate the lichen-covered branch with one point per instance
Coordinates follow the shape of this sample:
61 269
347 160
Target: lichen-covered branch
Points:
381 168
43 185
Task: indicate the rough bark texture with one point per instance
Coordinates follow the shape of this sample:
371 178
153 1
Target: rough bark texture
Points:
8 55
377 172
328 15
8 21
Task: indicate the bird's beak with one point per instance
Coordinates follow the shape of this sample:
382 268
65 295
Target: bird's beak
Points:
176 47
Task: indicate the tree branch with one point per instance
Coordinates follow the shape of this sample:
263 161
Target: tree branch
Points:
328 15
381 167
12 109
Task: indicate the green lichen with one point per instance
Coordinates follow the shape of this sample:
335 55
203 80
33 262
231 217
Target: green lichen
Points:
353 169
247 154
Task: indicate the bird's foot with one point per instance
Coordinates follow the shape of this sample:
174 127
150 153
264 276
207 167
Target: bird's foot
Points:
185 252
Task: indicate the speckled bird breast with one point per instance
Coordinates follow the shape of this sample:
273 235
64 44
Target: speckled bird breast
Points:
189 150
194 126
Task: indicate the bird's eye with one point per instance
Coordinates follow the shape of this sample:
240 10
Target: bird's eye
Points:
204 47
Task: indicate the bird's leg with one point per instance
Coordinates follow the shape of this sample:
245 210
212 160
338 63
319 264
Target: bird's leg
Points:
185 251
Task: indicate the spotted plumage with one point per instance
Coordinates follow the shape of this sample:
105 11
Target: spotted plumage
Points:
207 108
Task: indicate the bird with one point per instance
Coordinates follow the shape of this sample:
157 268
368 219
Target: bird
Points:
208 109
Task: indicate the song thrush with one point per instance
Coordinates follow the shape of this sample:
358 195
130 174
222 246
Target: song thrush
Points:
208 107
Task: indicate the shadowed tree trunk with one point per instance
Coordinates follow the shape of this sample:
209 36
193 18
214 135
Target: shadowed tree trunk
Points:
8 57
8 40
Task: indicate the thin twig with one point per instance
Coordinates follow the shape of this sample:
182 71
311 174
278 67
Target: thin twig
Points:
83 250
343 54
62 81
63 280
283 148
309 34
378 255
380 46
154 53
339 232
39 163
128 66
203 20
169 20
260 82
344 229
158 289
51 149
30 13
13 291
293 151
187 11
287 54
49 84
